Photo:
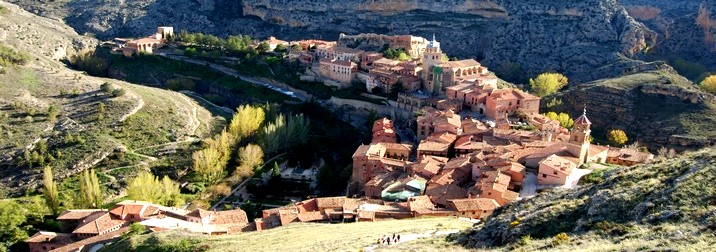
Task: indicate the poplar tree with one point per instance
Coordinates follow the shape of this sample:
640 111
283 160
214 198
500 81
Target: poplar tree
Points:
50 192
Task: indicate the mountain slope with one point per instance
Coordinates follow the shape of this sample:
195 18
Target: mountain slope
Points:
656 108
136 127
669 204
573 37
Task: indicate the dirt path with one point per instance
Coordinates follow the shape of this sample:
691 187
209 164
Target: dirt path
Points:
411 237
193 121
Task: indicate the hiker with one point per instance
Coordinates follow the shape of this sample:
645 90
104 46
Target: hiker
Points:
398 237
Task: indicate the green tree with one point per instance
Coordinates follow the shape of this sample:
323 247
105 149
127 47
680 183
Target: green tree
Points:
396 89
251 155
207 164
246 120
263 47
548 83
90 193
91 64
52 197
563 119
709 84
12 216
147 187
617 137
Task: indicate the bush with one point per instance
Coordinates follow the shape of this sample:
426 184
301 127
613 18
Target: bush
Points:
561 238
106 87
617 137
118 92
9 57
709 84
91 64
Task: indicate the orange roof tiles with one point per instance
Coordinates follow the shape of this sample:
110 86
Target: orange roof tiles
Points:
98 223
475 204
78 214
330 202
51 237
441 194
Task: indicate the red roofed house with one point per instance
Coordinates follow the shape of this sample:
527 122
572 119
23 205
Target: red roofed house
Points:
476 208
98 224
342 71
383 131
46 241
435 121
554 170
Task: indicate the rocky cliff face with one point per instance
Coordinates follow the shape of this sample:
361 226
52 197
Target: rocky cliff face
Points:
574 37
656 108
686 29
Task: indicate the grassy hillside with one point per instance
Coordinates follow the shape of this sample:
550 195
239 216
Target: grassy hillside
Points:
123 132
670 204
294 237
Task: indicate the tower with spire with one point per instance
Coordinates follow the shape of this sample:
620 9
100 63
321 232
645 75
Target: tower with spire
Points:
433 56
579 137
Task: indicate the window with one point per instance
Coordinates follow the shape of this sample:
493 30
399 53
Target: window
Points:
555 172
544 175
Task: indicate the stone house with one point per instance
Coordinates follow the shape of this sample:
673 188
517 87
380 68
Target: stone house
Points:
554 170
436 121
341 71
475 208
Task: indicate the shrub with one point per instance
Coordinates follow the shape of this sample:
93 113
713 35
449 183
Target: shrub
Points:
709 84
28 119
118 92
90 63
561 238
106 87
617 137
9 57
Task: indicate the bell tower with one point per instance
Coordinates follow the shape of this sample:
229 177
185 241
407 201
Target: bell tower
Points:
579 137
433 56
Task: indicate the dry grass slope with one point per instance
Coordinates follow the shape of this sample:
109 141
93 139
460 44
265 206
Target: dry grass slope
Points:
297 236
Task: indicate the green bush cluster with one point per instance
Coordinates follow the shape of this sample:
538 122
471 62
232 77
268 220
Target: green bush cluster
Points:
10 57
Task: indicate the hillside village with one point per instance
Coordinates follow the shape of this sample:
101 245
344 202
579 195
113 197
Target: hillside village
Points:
477 146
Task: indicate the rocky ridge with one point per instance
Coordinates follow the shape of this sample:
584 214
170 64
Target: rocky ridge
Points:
573 37
656 108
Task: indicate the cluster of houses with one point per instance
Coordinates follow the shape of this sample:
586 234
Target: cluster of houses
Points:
460 160
83 229
145 45
424 71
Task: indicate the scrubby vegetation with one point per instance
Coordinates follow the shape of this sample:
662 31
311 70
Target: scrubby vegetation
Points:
709 84
11 57
630 209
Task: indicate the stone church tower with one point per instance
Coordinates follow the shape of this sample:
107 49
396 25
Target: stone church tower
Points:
579 138
433 56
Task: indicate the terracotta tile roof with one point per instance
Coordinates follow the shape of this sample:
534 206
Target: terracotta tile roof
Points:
352 204
494 180
441 194
125 209
78 214
442 137
200 213
236 216
51 237
426 145
308 205
420 203
475 204
525 96
98 223
372 150
330 202
510 195
312 216
582 119
434 159
560 164
397 146
77 246
430 167
459 163
287 216
461 63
